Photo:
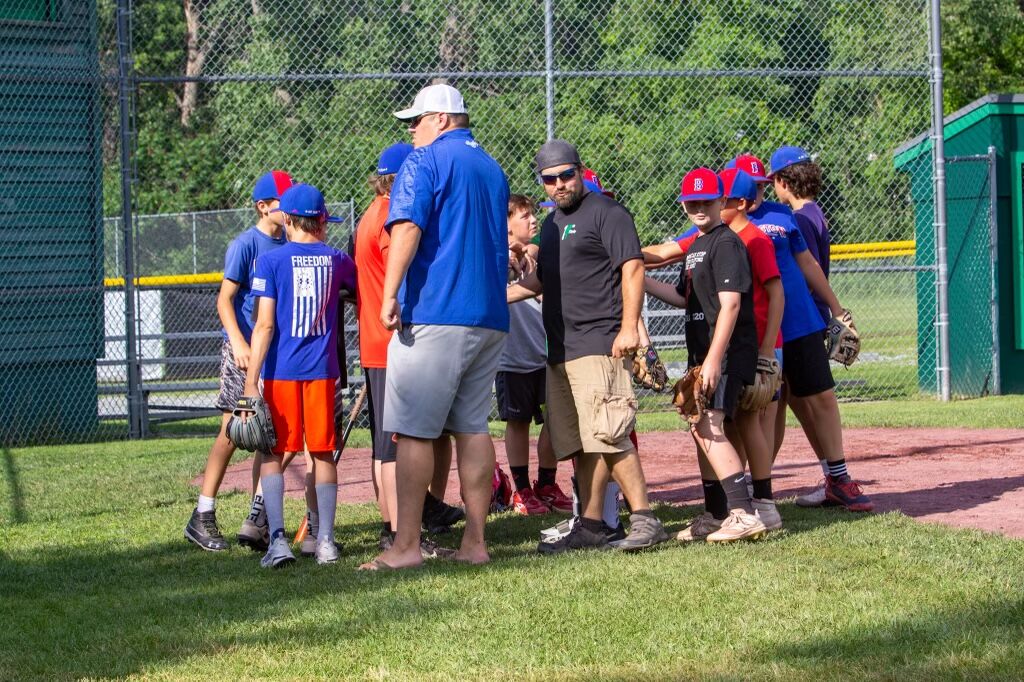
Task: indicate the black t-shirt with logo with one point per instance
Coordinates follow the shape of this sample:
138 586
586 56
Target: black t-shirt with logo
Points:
718 261
581 255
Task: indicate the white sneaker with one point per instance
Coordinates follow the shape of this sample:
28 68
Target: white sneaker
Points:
766 512
815 498
326 552
739 526
559 530
278 554
699 529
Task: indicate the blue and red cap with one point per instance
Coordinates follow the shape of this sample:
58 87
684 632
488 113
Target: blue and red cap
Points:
785 157
305 201
392 158
751 165
593 183
271 185
738 184
700 184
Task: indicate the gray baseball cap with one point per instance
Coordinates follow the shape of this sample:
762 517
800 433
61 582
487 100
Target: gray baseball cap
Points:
555 153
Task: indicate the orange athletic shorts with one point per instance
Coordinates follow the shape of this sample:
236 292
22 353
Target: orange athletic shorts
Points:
303 414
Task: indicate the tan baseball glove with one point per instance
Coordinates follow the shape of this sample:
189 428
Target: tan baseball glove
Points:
843 341
767 382
648 370
687 396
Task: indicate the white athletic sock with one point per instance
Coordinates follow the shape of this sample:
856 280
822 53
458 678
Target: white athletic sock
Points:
206 504
273 500
327 503
824 466
611 505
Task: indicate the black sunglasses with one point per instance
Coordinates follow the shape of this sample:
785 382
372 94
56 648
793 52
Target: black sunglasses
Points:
564 176
416 121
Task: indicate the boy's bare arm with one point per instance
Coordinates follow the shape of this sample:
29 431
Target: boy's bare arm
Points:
711 370
663 291
226 313
818 283
262 334
776 305
660 255
528 287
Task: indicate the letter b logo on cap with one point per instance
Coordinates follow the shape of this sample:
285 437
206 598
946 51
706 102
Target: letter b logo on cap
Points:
698 184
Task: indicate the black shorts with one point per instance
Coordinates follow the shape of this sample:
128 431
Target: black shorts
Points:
727 395
520 395
384 447
805 366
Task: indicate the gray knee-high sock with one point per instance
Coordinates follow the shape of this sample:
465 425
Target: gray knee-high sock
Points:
327 503
273 502
611 505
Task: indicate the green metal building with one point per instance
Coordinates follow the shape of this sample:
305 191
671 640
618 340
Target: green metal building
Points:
986 322
51 299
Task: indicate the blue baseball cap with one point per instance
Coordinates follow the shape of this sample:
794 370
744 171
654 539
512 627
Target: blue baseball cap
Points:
271 185
305 201
785 157
700 184
738 184
391 159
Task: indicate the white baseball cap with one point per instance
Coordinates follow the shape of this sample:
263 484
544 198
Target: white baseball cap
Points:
440 99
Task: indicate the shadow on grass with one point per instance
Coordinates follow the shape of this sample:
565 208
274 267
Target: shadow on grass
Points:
14 491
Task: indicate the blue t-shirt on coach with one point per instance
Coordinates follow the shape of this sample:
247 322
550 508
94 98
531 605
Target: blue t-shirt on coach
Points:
239 264
304 280
458 196
800 316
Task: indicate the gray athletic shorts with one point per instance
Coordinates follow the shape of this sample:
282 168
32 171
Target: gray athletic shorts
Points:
440 378
232 380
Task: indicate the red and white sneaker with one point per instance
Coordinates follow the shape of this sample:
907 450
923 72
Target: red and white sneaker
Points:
553 497
525 502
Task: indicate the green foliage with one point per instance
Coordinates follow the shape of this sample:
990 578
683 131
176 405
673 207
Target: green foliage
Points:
639 133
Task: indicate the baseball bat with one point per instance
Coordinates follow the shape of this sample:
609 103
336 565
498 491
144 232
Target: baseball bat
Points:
357 407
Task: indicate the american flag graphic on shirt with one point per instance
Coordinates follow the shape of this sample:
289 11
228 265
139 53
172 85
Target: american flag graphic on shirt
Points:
311 286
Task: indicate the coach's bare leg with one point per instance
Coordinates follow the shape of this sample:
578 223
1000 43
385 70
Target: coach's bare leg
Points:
546 457
592 475
442 466
819 416
627 472
413 470
217 460
476 468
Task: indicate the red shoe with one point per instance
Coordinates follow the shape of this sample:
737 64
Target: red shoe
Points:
553 497
846 492
525 502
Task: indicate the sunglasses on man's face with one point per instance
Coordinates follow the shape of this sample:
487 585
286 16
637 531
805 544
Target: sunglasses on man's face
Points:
416 121
565 176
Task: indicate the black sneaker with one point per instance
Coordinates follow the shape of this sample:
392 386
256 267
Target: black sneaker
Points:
615 534
578 538
386 540
203 531
431 550
438 516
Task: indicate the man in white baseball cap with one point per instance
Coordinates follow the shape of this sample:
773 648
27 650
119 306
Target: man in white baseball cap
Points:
434 99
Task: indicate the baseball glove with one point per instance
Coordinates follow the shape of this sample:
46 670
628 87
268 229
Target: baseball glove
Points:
766 384
687 396
843 341
648 370
256 433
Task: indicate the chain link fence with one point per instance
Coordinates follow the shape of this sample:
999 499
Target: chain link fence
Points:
217 92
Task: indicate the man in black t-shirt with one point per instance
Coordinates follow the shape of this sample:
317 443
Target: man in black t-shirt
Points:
715 287
590 270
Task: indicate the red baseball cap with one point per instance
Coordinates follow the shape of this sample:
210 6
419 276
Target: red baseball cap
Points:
700 184
593 183
751 165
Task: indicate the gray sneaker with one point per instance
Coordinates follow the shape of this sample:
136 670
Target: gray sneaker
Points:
699 529
254 536
278 554
431 550
644 532
766 511
326 552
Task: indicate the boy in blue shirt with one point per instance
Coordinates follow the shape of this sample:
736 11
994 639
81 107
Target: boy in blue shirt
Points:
235 308
294 345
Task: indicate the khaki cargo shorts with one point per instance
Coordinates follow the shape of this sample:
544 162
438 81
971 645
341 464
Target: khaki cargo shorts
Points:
591 406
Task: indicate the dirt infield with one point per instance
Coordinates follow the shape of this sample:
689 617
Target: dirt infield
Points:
958 477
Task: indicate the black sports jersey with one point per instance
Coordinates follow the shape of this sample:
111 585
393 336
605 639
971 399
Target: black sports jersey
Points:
718 261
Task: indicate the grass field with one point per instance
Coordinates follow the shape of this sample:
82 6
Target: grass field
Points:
98 582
